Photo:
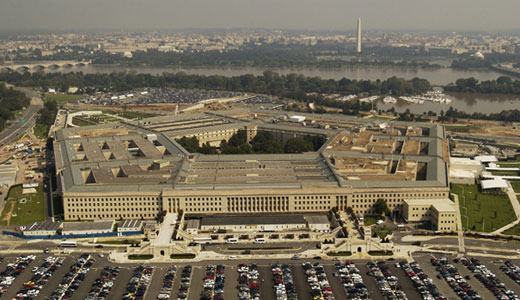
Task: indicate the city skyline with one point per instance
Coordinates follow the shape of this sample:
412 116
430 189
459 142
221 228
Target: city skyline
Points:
305 15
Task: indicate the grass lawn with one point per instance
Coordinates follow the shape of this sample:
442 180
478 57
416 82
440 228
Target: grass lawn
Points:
380 253
81 122
182 256
340 253
140 256
482 212
461 128
515 185
505 173
508 164
515 230
381 232
62 97
16 213
371 219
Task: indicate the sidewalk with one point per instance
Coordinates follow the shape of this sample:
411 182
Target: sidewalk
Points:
516 207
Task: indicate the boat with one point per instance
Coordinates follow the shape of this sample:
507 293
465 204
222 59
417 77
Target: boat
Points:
369 99
389 99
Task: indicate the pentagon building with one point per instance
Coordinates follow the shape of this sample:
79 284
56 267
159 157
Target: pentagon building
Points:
137 169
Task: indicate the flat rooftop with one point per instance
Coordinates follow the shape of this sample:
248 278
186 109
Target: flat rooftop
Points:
130 224
71 227
252 220
42 226
143 155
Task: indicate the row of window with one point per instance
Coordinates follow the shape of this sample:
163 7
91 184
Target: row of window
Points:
112 216
386 195
112 209
312 208
108 199
109 204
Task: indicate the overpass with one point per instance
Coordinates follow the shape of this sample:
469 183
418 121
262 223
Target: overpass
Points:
42 65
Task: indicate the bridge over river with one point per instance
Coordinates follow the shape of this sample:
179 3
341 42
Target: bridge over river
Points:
42 65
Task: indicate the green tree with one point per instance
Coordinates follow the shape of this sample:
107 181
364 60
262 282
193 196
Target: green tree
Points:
298 145
381 207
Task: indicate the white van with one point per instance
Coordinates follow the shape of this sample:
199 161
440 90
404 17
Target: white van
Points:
232 241
259 241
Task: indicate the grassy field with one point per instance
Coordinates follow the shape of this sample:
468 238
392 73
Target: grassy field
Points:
340 253
508 164
515 230
505 173
371 219
461 128
381 232
81 122
515 185
182 256
62 97
140 256
16 213
482 212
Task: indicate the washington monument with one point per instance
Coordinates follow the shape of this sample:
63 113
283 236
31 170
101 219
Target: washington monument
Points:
359 35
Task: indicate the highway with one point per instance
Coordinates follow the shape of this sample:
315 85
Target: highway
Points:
17 128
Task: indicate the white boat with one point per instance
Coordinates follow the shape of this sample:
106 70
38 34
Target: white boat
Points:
369 99
346 98
389 99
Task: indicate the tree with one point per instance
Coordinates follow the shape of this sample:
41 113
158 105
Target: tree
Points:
381 207
350 211
298 145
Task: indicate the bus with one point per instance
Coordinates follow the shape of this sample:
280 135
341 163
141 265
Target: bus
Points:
202 241
68 244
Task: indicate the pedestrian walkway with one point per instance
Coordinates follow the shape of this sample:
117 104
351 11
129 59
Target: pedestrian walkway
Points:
460 229
516 207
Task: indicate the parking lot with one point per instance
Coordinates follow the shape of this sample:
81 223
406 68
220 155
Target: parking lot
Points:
102 280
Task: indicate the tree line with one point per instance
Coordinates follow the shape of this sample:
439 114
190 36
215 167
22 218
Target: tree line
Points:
263 142
512 115
271 83
502 85
11 101
46 118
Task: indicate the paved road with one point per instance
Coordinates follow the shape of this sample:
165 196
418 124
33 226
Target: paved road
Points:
15 130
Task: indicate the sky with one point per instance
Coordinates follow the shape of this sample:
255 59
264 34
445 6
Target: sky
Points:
132 15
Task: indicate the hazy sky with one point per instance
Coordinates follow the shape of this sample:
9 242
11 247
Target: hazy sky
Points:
65 15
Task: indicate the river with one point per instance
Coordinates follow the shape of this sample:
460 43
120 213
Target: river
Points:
466 102
440 76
